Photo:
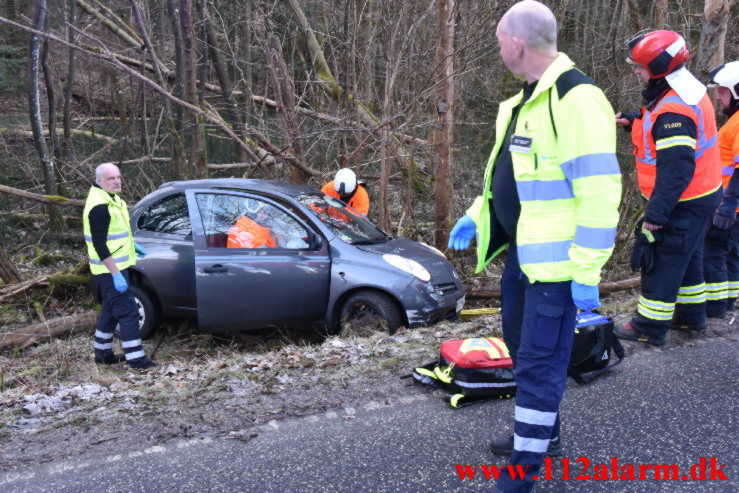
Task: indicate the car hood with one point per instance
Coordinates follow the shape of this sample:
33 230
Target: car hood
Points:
438 266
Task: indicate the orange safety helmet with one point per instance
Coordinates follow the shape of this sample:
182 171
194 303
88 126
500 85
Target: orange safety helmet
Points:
660 52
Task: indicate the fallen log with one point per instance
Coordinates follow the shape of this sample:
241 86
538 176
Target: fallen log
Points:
604 288
46 199
33 334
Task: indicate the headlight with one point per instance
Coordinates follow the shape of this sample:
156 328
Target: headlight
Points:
433 249
407 265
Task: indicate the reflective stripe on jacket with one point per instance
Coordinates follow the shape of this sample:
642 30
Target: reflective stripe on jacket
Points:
706 178
569 182
728 139
120 239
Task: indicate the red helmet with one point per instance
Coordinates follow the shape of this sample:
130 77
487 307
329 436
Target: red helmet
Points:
660 52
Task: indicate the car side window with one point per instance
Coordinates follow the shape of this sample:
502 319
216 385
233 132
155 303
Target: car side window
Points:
231 221
168 215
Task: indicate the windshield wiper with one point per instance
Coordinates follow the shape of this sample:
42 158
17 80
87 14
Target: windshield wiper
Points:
372 242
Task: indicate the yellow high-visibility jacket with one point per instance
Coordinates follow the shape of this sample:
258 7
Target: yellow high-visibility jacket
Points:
120 239
569 182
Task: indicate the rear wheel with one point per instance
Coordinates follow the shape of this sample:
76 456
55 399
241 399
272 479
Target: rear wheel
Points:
370 310
149 315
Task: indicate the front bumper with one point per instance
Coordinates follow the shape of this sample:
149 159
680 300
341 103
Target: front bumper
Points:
427 304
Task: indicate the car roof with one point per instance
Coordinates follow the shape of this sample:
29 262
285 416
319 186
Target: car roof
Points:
245 184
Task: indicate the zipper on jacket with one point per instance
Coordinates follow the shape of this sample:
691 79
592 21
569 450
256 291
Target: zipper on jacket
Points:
536 161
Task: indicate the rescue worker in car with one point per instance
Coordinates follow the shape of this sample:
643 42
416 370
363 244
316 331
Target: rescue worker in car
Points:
721 261
551 192
345 187
111 250
247 231
679 171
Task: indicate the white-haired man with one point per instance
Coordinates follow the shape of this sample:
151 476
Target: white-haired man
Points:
551 192
112 250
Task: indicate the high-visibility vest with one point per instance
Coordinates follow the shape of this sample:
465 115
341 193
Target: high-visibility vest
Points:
119 240
707 176
728 142
360 201
569 182
248 234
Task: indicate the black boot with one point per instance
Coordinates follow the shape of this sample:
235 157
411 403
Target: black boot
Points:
141 363
503 445
108 357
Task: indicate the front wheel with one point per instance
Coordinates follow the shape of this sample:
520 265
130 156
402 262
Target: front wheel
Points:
149 315
370 309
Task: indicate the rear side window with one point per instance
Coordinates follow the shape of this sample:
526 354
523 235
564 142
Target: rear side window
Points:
168 215
244 222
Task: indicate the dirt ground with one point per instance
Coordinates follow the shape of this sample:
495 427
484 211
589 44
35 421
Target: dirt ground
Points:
56 403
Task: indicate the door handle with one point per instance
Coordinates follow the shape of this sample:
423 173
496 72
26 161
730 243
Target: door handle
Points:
215 269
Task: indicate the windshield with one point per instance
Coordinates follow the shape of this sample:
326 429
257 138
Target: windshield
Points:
345 222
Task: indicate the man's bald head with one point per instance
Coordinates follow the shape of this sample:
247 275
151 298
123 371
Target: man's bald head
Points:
533 23
108 176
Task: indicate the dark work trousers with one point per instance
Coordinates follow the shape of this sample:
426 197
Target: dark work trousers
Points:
674 289
721 269
117 309
538 328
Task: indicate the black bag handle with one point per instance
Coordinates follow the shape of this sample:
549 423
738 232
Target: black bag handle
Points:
618 349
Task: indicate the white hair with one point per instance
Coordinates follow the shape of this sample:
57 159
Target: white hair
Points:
534 23
102 168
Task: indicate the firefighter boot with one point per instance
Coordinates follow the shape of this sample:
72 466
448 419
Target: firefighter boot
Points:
503 445
108 357
629 333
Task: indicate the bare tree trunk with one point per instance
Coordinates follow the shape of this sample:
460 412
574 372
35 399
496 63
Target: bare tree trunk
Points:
8 273
445 111
178 146
197 155
69 87
715 20
50 99
34 108
660 14
226 86
285 96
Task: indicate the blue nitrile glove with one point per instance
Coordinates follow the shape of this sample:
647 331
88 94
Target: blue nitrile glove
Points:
584 296
120 283
462 233
140 251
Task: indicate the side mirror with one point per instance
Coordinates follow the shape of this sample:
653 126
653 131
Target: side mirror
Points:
314 241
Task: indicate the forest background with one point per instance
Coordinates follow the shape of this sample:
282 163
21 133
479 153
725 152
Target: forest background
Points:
405 92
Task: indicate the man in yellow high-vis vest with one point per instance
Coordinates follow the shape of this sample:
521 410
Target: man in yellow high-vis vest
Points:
111 250
551 192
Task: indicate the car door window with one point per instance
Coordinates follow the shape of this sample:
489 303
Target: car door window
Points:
232 221
168 215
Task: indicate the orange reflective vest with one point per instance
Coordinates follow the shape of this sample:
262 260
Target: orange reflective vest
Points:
728 142
707 176
248 234
360 201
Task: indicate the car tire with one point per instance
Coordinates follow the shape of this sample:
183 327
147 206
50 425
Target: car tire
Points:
370 308
149 313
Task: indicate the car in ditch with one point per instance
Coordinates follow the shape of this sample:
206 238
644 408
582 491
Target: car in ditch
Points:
244 254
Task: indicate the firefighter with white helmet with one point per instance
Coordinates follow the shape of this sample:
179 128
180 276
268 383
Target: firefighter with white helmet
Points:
677 161
721 262
345 187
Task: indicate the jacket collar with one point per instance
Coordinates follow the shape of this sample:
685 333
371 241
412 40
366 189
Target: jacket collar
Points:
560 65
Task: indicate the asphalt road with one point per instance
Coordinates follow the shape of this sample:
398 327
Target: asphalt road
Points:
669 406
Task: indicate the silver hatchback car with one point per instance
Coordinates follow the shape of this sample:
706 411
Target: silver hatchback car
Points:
241 254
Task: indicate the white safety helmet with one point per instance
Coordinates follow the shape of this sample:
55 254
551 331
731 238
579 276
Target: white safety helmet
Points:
727 76
345 181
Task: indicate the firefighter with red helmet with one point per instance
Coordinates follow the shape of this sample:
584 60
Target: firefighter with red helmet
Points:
677 160
721 260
